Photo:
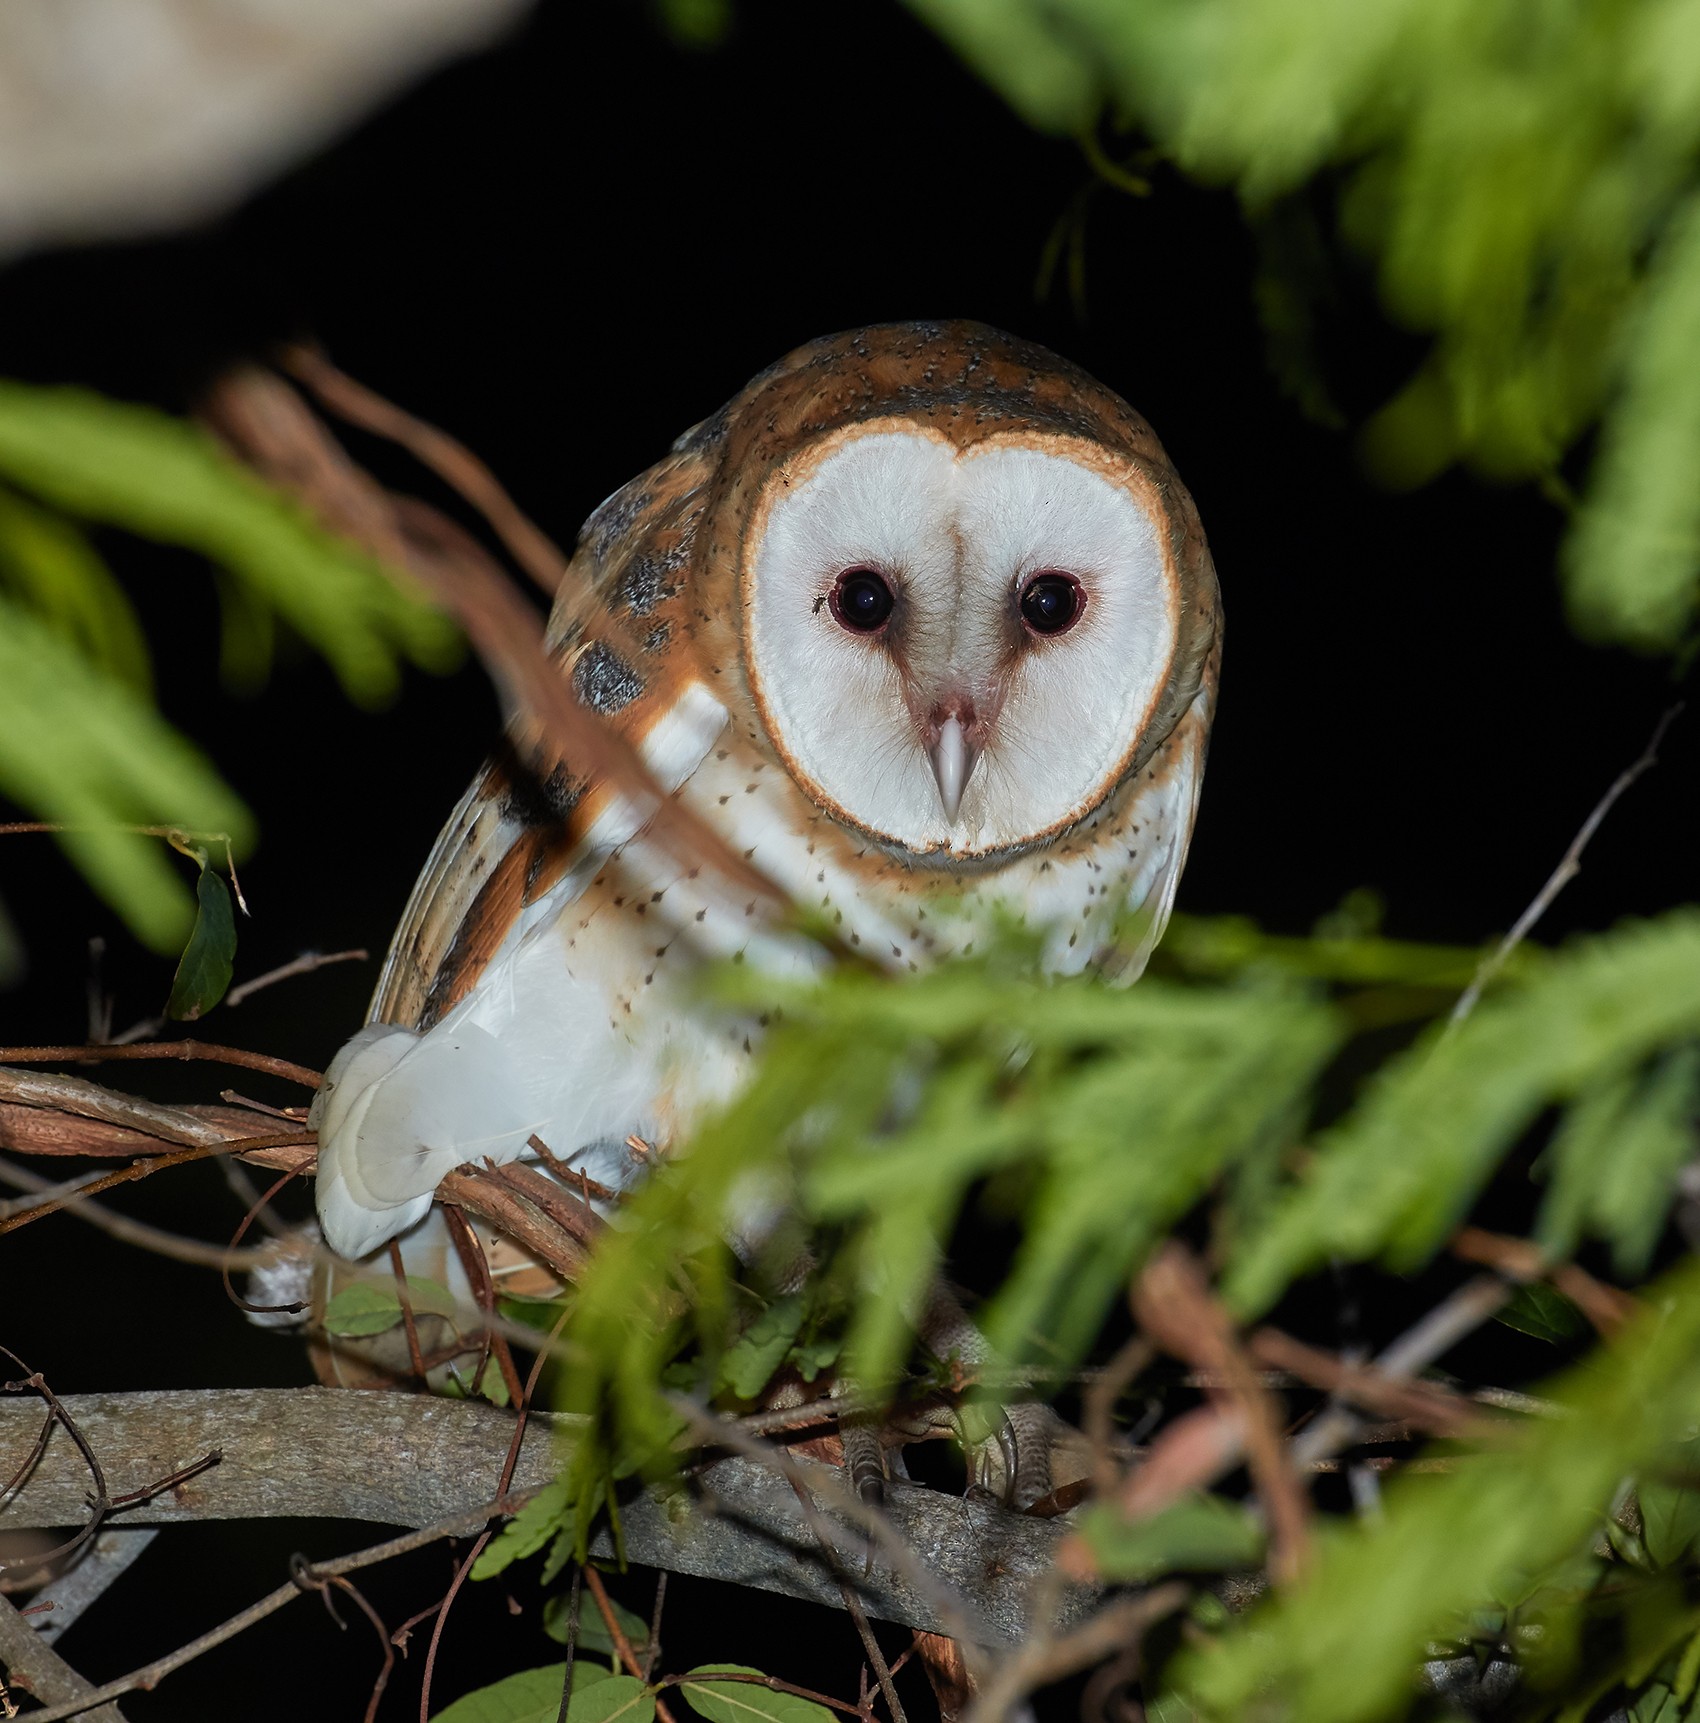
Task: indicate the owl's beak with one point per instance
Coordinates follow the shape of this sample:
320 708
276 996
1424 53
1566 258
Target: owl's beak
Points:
953 756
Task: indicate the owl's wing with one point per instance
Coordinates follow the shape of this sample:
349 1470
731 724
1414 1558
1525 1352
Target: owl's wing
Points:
470 1006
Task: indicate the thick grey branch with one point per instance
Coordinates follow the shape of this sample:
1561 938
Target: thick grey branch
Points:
411 1460
33 1664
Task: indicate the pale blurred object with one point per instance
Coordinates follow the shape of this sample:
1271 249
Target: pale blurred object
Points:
124 117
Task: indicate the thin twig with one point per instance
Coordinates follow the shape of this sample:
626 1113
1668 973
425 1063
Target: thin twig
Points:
771 1682
1570 864
1113 1628
448 458
622 1645
1432 1408
185 1051
574 1594
120 1226
522 1407
150 1675
51 1202
1419 1346
305 964
1097 1406
1606 1307
34 1665
1174 1305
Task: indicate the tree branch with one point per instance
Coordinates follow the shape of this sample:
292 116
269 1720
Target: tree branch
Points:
413 1460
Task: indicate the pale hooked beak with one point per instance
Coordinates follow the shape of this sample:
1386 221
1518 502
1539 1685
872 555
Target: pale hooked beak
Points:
953 757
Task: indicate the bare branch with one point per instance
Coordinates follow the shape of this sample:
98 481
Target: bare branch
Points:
34 1665
1570 864
414 1459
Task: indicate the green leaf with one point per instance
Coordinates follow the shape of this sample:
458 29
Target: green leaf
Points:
619 1699
54 570
752 1358
1379 1592
82 749
1395 1176
810 1357
744 1701
528 1531
1630 564
132 467
1544 1312
203 971
534 1696
1614 1162
1670 1520
1202 1534
373 1307
593 1634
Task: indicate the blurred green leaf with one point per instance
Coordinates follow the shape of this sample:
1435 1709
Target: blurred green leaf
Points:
1380 1591
204 970
1543 1312
52 569
1202 1533
1614 1161
1670 1520
82 749
754 1356
1394 1177
593 1634
132 467
1523 180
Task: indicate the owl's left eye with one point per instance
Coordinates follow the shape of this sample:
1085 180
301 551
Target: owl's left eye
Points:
1051 602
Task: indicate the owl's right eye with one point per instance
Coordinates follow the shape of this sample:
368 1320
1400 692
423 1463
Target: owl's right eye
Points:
861 600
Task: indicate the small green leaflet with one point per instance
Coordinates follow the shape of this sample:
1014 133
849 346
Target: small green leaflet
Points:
370 1308
203 971
593 1634
1203 1533
754 1356
813 1356
1543 1312
528 1531
534 1696
743 1701
1670 1520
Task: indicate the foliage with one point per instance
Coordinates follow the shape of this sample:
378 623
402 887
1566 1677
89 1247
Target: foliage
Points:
1106 1117
1524 180
81 745
1492 1531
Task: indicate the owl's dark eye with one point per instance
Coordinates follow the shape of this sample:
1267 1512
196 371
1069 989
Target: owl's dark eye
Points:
861 600
1051 602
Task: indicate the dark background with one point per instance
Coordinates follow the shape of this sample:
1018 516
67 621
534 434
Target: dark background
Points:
566 251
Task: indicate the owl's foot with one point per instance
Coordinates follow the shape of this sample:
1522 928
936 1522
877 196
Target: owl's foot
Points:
1012 1466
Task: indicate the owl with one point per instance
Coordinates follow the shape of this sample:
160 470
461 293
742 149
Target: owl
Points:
924 626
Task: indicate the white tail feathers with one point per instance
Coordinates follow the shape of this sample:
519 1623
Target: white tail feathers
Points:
399 1111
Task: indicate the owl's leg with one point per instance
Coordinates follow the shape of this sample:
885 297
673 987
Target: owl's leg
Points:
864 1456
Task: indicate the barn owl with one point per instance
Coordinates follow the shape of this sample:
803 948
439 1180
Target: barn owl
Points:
924 626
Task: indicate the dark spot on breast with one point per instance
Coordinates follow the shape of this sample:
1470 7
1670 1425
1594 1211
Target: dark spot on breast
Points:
604 681
658 637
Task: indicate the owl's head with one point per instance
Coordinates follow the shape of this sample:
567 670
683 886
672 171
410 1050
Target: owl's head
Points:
974 597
